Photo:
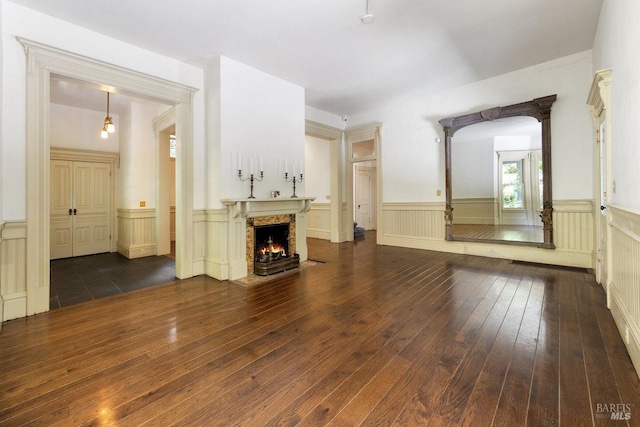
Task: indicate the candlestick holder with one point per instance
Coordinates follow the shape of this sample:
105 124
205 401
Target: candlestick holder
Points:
250 178
293 179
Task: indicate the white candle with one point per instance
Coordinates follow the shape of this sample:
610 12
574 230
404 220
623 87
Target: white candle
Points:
294 167
286 166
261 169
251 163
239 161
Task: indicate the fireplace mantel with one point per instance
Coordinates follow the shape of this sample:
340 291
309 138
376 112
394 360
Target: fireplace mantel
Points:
249 208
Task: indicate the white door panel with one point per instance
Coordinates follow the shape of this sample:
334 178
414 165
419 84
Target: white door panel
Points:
61 242
80 208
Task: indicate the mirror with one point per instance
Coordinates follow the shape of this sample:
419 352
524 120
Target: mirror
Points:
498 175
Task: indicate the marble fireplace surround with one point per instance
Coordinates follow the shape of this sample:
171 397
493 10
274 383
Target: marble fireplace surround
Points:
244 214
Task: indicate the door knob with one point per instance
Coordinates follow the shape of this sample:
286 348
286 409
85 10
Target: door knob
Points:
69 211
603 208
75 211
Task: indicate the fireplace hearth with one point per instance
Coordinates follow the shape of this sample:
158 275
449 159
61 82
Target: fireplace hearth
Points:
272 250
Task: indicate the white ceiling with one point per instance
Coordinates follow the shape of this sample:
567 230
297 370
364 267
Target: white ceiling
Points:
347 66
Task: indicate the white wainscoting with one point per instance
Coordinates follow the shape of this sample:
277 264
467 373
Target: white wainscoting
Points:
136 232
573 231
624 287
421 225
216 254
319 221
199 241
411 222
475 211
13 270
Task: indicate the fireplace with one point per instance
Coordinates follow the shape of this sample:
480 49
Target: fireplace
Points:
271 244
244 216
272 254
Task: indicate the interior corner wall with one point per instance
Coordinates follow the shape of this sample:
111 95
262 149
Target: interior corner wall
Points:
324 117
213 138
411 155
260 116
137 157
317 168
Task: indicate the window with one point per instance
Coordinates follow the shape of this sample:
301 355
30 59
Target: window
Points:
512 197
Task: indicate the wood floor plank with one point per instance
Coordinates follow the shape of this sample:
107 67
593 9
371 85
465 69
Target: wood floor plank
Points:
481 406
575 405
544 395
372 335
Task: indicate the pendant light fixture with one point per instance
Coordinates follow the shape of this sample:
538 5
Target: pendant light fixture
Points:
367 18
108 123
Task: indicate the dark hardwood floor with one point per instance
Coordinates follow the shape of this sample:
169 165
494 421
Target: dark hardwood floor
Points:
373 335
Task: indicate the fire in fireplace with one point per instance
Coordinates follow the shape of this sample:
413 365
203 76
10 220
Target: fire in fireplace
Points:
272 250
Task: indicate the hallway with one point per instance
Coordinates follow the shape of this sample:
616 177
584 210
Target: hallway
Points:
76 280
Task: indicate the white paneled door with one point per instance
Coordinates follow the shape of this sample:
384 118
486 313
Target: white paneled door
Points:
365 205
80 208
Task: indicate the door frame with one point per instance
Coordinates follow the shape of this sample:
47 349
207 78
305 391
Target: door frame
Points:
42 61
599 102
359 134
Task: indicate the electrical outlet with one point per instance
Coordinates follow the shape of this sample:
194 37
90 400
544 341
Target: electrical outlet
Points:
143 203
438 192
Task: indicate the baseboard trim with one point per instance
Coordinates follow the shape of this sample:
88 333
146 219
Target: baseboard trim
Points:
141 251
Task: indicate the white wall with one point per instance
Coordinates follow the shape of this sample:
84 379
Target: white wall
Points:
138 157
261 116
324 118
318 167
79 129
410 155
26 23
616 47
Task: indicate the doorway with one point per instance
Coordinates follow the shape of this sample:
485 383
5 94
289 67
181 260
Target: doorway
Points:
364 204
364 192
45 61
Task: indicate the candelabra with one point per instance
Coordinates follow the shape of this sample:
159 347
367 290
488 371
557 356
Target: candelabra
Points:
250 178
293 179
